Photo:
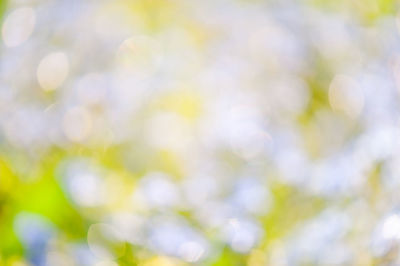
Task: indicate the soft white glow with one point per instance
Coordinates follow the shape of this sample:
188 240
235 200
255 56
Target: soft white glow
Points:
242 235
191 251
157 190
18 26
139 55
77 124
52 71
345 95
91 89
86 189
391 227
175 131
252 196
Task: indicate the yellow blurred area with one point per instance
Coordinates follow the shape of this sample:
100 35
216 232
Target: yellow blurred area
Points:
187 103
162 261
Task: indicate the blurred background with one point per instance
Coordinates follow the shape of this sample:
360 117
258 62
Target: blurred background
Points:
203 132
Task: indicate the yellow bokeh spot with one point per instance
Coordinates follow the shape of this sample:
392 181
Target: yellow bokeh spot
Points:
256 258
6 177
162 261
186 103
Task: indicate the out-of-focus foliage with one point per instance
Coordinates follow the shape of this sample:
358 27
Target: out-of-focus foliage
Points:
213 132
